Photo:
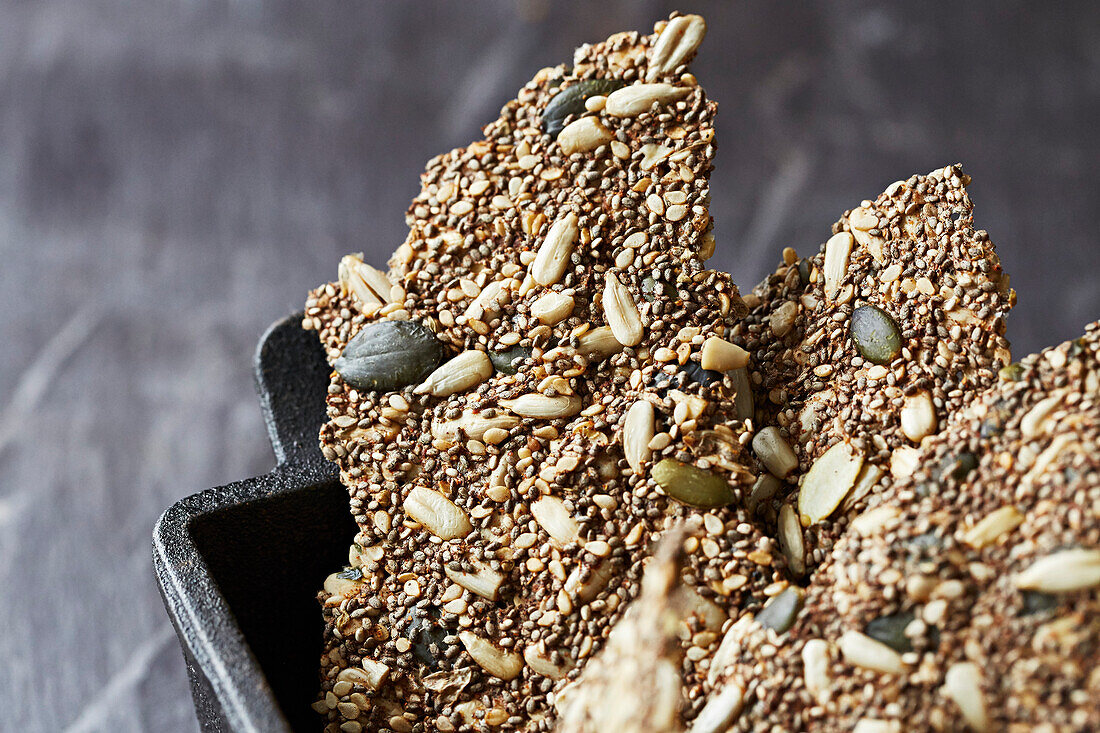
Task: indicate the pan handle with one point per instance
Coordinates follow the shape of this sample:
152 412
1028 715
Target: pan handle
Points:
291 378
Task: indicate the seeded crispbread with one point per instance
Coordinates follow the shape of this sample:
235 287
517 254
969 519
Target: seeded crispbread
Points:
507 499
969 592
829 380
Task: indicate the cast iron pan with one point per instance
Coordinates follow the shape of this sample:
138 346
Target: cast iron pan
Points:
238 566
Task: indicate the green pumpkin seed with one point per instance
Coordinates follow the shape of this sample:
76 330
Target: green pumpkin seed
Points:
651 289
782 610
505 361
875 334
570 101
1014 372
890 630
692 486
959 466
350 574
1037 602
389 355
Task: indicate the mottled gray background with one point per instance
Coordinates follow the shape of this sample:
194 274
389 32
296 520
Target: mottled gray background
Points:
174 175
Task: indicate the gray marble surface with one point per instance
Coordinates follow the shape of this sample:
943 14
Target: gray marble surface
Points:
176 174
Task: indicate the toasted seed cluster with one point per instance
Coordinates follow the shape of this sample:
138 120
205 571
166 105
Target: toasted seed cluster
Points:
967 596
507 500
894 324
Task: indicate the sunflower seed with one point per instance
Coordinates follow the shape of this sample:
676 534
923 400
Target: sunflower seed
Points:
1062 572
1032 424
828 481
875 334
336 585
484 581
815 668
552 308
918 416
552 516
373 674
963 684
863 651
600 342
876 725
438 514
773 452
459 374
652 154
638 98
708 612
866 482
993 526
494 660
541 663
389 355
720 711
553 255
474 424
837 250
638 430
487 304
354 280
621 312
722 356
543 406
676 45
691 485
790 540
862 219
571 101
583 135
874 520
588 588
